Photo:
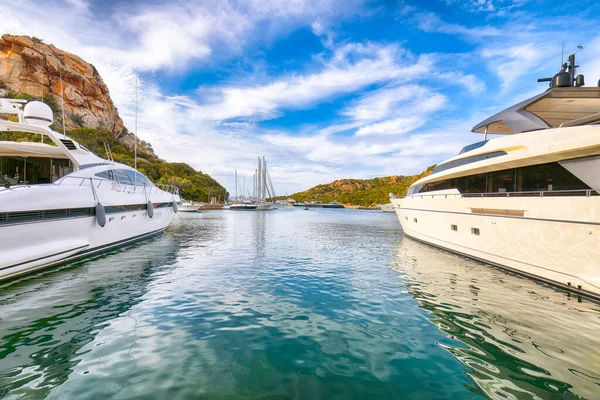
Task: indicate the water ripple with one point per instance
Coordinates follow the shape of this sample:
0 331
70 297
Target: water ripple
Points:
290 304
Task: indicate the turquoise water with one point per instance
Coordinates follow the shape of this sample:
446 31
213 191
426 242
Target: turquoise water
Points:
319 304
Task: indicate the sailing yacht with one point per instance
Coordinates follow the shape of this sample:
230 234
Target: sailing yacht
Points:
59 201
527 201
262 187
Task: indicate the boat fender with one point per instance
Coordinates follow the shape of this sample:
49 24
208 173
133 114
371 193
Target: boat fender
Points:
175 206
100 215
150 209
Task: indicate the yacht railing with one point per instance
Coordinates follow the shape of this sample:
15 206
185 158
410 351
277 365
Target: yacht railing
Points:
536 193
117 186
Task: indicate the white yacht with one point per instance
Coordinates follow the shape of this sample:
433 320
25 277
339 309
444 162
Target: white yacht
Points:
188 206
527 201
58 201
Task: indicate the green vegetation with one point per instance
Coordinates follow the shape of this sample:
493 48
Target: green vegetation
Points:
361 192
192 184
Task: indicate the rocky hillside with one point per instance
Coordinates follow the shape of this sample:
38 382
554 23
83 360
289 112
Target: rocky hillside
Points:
27 65
361 192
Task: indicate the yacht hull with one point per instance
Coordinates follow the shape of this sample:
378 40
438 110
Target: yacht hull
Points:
34 246
552 239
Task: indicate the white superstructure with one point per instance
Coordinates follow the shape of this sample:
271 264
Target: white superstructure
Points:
59 201
528 201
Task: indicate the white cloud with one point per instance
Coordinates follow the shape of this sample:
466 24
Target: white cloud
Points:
430 22
394 126
351 67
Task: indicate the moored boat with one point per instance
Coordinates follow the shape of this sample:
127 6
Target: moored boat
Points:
188 207
64 202
527 201
333 204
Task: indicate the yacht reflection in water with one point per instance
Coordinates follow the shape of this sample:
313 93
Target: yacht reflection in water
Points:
521 339
47 321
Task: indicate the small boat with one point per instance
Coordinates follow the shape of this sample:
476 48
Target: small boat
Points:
314 204
243 207
188 207
386 207
306 208
299 205
333 204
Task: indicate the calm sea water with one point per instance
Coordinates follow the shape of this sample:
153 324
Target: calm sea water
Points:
319 304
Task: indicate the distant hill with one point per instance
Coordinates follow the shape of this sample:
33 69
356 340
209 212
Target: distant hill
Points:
361 192
30 68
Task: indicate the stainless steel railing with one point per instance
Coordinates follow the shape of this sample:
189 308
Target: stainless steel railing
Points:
535 193
117 186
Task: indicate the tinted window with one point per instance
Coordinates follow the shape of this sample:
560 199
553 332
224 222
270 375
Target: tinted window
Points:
141 179
467 160
440 185
547 177
107 175
501 181
472 184
544 177
123 177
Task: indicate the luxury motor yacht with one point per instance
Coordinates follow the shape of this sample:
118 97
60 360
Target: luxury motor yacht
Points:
527 201
59 201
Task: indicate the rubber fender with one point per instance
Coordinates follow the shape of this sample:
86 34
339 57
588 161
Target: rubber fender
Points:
150 209
100 215
175 206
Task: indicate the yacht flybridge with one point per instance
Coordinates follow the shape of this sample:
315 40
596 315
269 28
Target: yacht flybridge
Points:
527 201
59 201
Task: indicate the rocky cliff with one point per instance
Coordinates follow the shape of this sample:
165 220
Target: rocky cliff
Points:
30 66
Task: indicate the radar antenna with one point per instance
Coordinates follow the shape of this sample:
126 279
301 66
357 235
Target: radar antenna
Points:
566 77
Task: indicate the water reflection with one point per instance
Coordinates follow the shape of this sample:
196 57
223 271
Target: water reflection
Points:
522 339
46 321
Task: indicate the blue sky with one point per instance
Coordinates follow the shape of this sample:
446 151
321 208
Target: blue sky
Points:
324 89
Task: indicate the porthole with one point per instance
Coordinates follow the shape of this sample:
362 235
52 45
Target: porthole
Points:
414 220
475 231
123 217
111 219
454 227
406 218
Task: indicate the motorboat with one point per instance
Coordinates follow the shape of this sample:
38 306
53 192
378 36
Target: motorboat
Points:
243 207
188 207
333 204
386 207
59 201
527 201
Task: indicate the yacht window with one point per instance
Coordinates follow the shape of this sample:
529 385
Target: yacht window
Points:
109 174
439 185
123 177
141 179
475 231
501 181
468 160
544 177
473 146
547 177
454 228
472 184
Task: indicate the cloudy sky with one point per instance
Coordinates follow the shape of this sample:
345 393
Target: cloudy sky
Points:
324 89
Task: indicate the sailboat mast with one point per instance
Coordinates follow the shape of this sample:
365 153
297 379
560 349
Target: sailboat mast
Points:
259 186
264 178
236 185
